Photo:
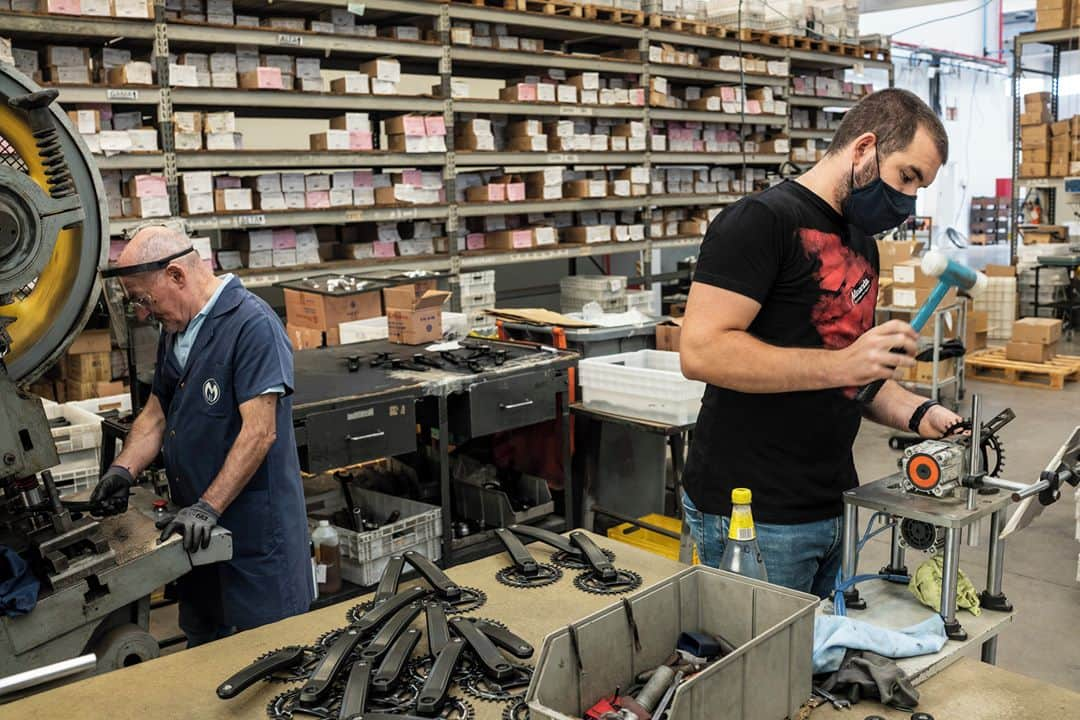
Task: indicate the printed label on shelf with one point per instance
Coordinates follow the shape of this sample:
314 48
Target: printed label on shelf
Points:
404 213
121 94
355 216
242 220
575 110
562 158
290 40
259 280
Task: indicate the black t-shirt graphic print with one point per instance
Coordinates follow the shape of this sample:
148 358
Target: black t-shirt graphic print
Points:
816 278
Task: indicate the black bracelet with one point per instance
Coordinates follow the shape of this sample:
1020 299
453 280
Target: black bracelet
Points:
920 412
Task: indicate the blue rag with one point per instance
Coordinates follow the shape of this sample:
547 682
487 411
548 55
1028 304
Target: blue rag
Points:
18 586
835 634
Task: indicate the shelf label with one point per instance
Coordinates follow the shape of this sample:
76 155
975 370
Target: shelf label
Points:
261 280
575 110
121 94
403 213
245 220
355 216
290 40
562 158
357 8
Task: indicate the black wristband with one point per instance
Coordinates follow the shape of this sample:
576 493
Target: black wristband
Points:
920 412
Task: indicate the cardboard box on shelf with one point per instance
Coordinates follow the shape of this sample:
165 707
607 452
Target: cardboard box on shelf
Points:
385 69
263 78
586 234
233 200
197 203
75 390
354 84
1043 234
150 207
510 239
91 341
924 371
89 367
325 312
1035 135
1037 330
303 338
133 73
905 296
329 140
1030 352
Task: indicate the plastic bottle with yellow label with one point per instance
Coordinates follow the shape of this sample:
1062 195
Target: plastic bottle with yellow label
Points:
741 553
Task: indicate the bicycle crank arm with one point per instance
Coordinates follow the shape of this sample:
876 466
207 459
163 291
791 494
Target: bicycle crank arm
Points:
354 701
495 665
389 632
545 536
388 582
378 615
518 553
438 630
318 685
280 660
505 639
395 659
433 694
440 581
601 566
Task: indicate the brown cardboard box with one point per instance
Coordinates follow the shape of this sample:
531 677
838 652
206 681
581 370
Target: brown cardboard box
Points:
1034 170
1035 100
1036 154
975 340
884 297
1058 169
89 367
75 390
1051 19
890 253
1041 234
910 296
924 371
317 311
909 273
668 334
1030 352
393 297
1035 116
91 341
1000 271
303 338
412 319
978 320
1035 135
1036 330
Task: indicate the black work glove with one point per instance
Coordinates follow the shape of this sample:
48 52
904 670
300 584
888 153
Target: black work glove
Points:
194 523
110 495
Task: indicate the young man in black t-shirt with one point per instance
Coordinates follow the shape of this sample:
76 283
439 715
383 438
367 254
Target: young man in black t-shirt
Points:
780 324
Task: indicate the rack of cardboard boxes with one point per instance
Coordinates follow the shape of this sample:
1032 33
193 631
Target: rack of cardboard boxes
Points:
424 135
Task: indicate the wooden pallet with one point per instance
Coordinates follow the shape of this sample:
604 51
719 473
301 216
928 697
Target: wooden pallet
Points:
618 16
874 53
992 366
542 7
674 24
764 38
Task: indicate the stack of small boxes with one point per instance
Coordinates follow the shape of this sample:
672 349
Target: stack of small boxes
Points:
608 291
315 307
415 133
1034 340
1035 135
88 368
478 295
1056 14
149 196
351 131
66 65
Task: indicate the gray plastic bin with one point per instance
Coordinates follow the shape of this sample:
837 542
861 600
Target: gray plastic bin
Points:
590 342
768 677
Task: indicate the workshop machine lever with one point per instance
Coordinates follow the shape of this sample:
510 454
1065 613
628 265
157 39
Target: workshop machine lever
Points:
389 607
389 632
505 639
438 629
493 662
322 678
950 274
278 660
433 693
526 572
395 659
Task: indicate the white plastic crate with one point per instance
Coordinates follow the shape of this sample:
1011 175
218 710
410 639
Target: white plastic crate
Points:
368 573
641 300
80 439
100 406
644 383
477 282
593 285
454 325
73 477
574 304
474 300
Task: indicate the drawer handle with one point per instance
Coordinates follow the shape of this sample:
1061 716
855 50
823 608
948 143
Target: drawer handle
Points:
515 406
369 436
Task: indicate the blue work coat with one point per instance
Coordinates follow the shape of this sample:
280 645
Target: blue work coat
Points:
241 351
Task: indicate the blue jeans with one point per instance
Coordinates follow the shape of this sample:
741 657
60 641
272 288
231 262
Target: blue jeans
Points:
802 557
198 628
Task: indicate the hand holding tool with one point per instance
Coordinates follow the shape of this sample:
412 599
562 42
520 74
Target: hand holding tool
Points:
194 523
950 274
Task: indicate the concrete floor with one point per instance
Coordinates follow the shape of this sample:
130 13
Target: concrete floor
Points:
1041 560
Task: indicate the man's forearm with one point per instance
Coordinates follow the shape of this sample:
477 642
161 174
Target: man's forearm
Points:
739 361
893 406
143 442
244 458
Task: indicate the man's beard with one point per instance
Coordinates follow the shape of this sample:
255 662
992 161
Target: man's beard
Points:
855 179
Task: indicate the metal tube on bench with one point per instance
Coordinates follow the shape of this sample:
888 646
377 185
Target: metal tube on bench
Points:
974 468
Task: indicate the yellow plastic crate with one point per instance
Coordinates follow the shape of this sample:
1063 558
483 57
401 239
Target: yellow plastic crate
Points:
649 540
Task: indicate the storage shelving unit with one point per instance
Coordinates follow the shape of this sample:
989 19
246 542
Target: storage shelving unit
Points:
566 40
1058 41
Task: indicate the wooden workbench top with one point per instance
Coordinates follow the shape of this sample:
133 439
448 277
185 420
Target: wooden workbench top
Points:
181 686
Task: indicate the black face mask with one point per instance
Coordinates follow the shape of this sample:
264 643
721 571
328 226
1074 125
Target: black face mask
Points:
876 206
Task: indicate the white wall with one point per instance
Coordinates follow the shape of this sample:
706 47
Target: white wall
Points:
969 33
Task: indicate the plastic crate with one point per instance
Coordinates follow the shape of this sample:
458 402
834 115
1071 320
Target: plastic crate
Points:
77 476
575 304
474 300
767 677
102 406
477 282
645 383
79 440
642 301
593 285
364 555
651 541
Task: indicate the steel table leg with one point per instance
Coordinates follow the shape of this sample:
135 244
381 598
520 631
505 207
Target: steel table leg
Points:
949 578
848 566
896 564
443 442
992 598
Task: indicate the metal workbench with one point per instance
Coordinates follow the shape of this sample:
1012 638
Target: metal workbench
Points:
343 417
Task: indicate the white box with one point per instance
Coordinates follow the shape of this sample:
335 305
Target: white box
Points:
307 67
198 203
224 141
645 383
293 183
219 122
383 87
354 84
143 139
114 141
316 182
295 200
194 183
341 197
183 76
271 201
236 199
